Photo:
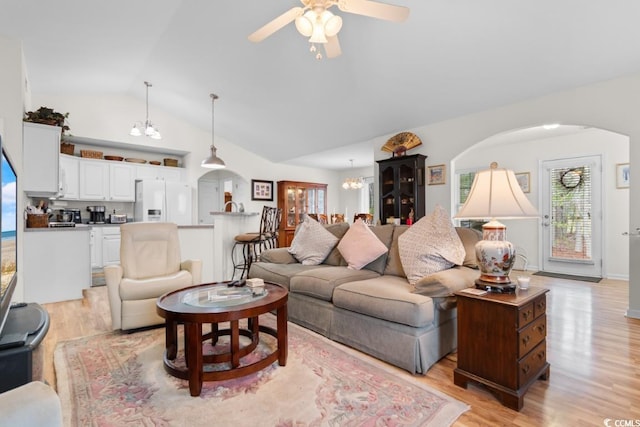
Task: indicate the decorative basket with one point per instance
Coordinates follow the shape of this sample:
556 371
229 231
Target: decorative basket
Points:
37 220
67 148
91 154
171 162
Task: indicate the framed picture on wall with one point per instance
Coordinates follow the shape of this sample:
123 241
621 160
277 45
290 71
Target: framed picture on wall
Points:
436 175
622 175
524 179
261 190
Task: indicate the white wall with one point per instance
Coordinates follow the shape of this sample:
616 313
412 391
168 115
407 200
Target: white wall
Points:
526 157
12 90
110 118
612 105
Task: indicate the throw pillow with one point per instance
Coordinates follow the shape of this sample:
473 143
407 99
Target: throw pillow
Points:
430 245
312 242
360 246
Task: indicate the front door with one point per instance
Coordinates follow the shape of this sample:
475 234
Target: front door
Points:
572 216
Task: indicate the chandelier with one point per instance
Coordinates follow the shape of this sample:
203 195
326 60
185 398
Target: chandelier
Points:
213 161
352 183
148 128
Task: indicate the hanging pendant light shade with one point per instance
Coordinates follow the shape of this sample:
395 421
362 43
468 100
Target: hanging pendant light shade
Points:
352 183
213 161
147 127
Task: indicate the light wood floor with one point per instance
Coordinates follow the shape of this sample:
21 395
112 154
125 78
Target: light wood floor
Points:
593 349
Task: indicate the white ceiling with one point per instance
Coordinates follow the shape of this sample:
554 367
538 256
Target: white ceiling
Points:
450 58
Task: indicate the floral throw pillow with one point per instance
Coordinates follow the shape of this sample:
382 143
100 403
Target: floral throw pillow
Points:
312 243
430 245
360 246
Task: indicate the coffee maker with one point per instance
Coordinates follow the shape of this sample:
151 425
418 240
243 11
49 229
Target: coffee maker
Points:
96 214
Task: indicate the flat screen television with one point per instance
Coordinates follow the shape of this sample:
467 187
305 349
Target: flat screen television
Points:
8 223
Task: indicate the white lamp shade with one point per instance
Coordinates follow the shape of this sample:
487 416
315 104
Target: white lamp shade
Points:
213 161
332 25
304 23
495 193
135 131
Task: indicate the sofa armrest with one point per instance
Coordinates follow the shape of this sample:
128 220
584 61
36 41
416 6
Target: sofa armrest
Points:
444 283
32 404
193 266
277 256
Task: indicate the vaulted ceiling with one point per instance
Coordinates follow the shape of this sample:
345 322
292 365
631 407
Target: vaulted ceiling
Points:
450 58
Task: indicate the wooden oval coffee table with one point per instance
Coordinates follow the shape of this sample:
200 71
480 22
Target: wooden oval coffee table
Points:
215 303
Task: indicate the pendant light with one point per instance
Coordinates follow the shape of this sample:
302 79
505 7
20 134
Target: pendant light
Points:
352 183
149 130
213 161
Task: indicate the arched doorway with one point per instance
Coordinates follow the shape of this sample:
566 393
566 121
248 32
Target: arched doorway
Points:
525 151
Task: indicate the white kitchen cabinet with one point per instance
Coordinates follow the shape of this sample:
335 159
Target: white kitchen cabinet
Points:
110 245
94 180
96 247
122 185
56 265
158 172
40 148
69 177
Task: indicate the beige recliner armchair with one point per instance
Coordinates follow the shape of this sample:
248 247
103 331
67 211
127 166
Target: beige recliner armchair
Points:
150 266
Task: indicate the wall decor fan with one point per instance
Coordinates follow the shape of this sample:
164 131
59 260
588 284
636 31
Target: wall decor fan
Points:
316 21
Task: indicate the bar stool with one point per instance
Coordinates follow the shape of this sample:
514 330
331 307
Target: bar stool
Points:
252 244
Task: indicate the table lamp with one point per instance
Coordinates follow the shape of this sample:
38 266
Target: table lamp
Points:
495 194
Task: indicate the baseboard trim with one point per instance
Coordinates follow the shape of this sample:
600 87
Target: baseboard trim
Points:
633 314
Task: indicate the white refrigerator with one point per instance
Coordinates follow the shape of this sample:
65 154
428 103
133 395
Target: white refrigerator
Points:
162 201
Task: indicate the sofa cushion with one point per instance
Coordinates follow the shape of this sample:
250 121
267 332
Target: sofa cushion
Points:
394 264
279 274
385 234
320 283
360 246
387 298
469 237
339 229
430 245
445 283
312 242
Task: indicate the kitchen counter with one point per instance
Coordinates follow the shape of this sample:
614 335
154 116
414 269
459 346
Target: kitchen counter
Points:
239 214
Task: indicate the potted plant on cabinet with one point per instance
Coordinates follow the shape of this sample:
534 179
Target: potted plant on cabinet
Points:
48 116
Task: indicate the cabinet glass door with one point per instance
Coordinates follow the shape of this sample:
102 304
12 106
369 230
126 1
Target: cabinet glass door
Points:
291 206
303 203
321 200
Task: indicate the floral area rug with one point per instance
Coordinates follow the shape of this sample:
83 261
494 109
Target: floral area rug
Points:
118 379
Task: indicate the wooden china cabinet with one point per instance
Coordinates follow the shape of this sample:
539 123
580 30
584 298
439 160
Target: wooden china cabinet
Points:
297 198
402 187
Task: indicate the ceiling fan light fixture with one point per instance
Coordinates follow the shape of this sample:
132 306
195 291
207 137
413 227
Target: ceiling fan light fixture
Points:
332 23
304 24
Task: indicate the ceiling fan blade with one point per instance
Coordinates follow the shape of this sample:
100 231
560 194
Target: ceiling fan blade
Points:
373 9
276 24
332 47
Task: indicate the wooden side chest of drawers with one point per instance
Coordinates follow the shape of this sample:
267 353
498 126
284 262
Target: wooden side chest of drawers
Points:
502 342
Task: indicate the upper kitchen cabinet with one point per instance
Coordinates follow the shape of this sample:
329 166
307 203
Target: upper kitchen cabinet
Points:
402 187
158 172
69 178
122 185
94 180
40 148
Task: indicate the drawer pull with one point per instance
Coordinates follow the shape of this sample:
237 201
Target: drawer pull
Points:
541 329
526 339
526 369
541 355
541 305
526 314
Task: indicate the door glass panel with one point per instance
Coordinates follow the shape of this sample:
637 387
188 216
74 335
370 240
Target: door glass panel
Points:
291 204
571 209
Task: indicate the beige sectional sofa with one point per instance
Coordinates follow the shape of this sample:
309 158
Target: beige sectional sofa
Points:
375 309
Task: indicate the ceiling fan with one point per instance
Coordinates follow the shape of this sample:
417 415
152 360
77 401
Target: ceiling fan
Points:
315 21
